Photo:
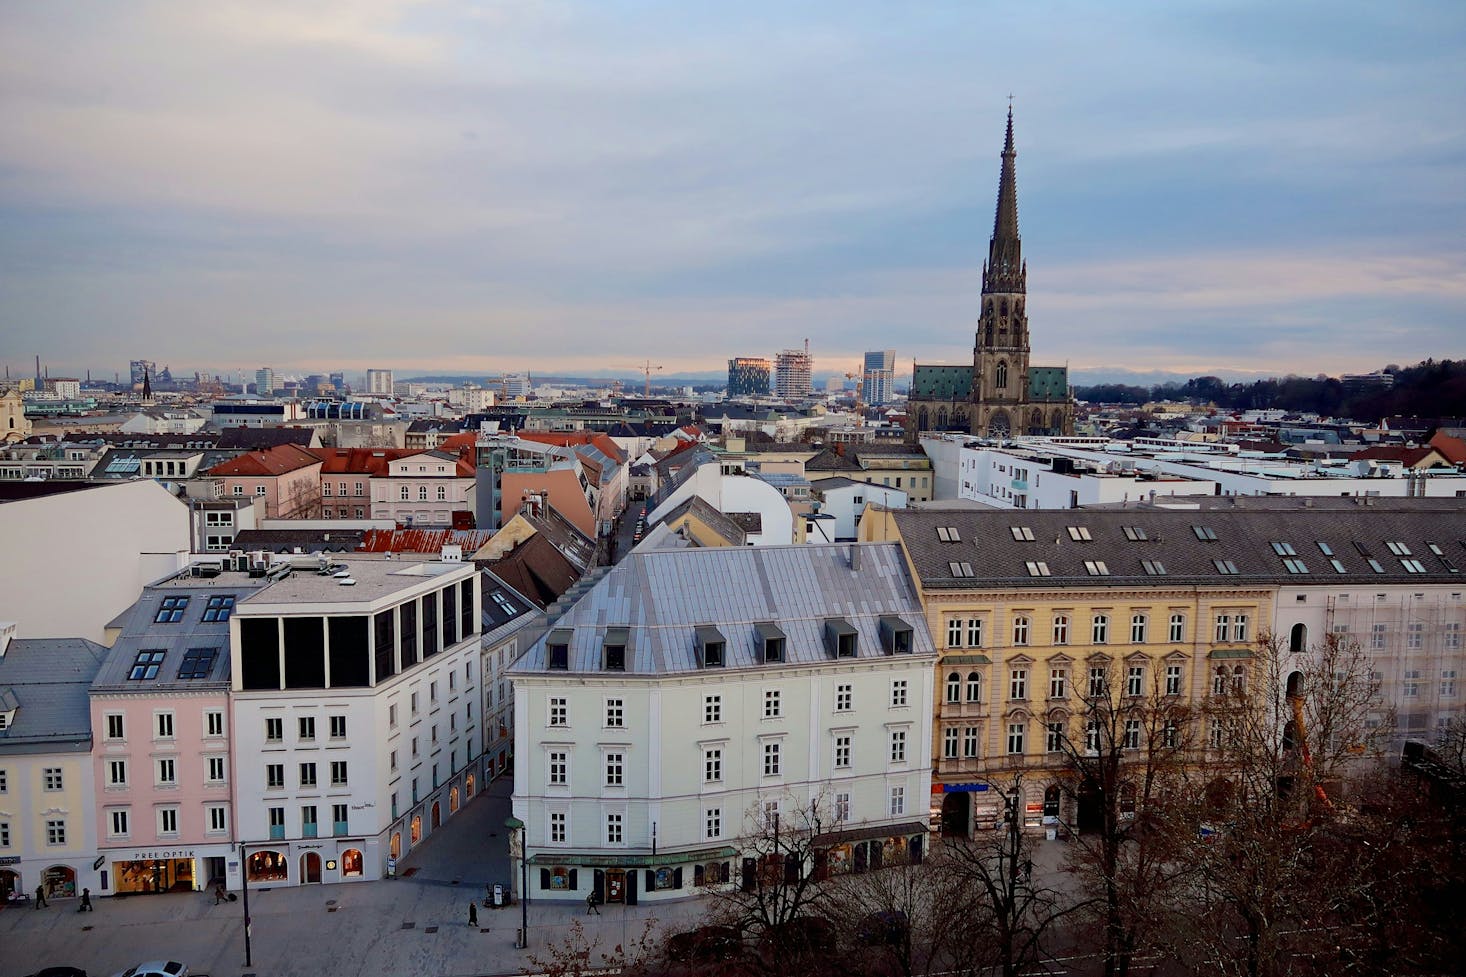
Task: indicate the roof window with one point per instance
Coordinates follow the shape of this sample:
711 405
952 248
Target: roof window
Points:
171 611
1325 549
897 636
219 607
1224 566
1375 565
1154 568
772 641
1398 548
145 666
557 649
613 649
1338 567
1294 565
712 647
1037 568
1080 534
840 637
960 569
1022 533
197 662
1413 566
1205 533
1096 568
1135 534
948 534
1284 549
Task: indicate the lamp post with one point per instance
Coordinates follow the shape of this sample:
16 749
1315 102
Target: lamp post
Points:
244 885
516 844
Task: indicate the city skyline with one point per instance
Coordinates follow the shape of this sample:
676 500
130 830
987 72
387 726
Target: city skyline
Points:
417 188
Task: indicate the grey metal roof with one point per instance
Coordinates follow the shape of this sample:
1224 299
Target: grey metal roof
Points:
987 545
665 596
141 631
47 679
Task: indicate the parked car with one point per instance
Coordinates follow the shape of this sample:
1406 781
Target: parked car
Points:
60 972
155 968
705 944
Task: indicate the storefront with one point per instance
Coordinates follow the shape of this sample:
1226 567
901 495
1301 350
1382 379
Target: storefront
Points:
626 880
307 863
155 871
59 882
863 850
10 881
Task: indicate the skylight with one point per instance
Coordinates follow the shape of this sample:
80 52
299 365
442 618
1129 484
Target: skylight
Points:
961 569
172 610
1096 568
197 662
948 534
146 665
1154 567
1284 549
1135 534
1295 565
1037 568
1022 533
219 608
1080 534
1205 534
1224 566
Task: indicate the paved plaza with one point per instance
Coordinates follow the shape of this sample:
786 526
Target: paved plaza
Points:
415 926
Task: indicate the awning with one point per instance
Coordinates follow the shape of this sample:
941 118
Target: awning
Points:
1229 653
965 660
645 860
876 831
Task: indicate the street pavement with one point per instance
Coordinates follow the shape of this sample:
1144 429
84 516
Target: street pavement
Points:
414 925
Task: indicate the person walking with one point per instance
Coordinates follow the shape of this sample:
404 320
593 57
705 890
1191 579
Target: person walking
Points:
592 903
219 894
86 902
473 914
41 896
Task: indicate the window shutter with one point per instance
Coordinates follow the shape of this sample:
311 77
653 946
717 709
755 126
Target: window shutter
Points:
727 868
651 881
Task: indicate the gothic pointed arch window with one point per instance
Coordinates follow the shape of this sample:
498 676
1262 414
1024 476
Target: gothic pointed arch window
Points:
1035 421
998 425
1001 375
921 420
987 331
941 418
959 420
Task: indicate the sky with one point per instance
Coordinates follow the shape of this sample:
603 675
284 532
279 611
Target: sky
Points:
492 186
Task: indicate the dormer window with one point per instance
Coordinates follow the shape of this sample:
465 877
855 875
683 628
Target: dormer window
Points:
171 611
712 647
771 641
840 636
557 650
897 637
613 649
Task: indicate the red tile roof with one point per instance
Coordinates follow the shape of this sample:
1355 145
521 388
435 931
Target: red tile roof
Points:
374 461
1452 449
270 462
423 540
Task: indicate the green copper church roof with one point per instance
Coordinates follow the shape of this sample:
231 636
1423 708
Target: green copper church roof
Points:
1048 383
941 383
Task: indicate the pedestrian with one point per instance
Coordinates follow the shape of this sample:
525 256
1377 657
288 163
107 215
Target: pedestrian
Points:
86 902
40 896
473 914
1028 870
591 903
219 894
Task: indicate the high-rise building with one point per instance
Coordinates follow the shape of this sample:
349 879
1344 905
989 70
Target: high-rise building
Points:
879 375
999 394
792 379
379 382
517 385
264 381
748 376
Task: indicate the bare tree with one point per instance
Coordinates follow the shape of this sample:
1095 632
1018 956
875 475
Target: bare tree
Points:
579 954
1125 770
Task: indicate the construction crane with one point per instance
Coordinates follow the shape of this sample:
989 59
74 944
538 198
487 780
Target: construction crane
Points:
859 379
646 369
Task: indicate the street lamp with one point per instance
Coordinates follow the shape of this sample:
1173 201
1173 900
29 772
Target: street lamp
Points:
516 844
244 877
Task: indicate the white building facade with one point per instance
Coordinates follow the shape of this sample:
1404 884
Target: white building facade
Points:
692 694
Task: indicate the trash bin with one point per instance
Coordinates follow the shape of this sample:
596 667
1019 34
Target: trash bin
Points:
500 896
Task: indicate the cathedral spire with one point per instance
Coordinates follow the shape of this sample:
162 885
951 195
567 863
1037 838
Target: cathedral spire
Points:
1005 271
147 386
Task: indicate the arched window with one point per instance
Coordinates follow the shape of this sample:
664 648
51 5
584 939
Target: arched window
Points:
1295 685
941 418
406 493
1061 629
954 687
1298 638
1001 376
974 687
442 493
921 420
1219 680
422 493
416 828
1020 630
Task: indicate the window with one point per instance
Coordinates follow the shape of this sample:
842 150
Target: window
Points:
954 687
1080 534
1378 633
116 773
1452 639
1284 549
1098 681
615 713
771 704
1170 735
307 775
1054 737
842 807
615 769
974 687
1411 684
1398 548
1153 568
771 759
219 607
898 800
1015 738
167 771
1137 629
114 727
1037 568
171 610
52 778
1100 629
1135 534
168 821
1178 627
145 666
165 725
1448 683
559 712
1205 534
307 726
557 827
1219 680
948 534
1092 736
1239 627
1415 635
213 723
118 826
898 693
392 716
1223 627
712 708
842 752
1058 683
844 698
1294 565
275 776
954 632
969 741
55 832
1096 568
559 768
1132 734
406 493
712 766
1135 680
1020 630
1061 629
1173 680
712 823
949 743
274 729
442 493
338 773
338 727
218 818
1022 534
216 770
1018 683
1225 566
898 746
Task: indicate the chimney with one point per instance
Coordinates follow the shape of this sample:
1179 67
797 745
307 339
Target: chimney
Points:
854 556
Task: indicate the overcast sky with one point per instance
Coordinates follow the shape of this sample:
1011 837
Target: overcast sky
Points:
487 186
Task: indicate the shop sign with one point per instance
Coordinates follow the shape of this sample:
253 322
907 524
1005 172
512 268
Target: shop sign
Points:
10 860
101 860
964 788
159 855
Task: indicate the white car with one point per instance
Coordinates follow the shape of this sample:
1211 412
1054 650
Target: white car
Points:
155 968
